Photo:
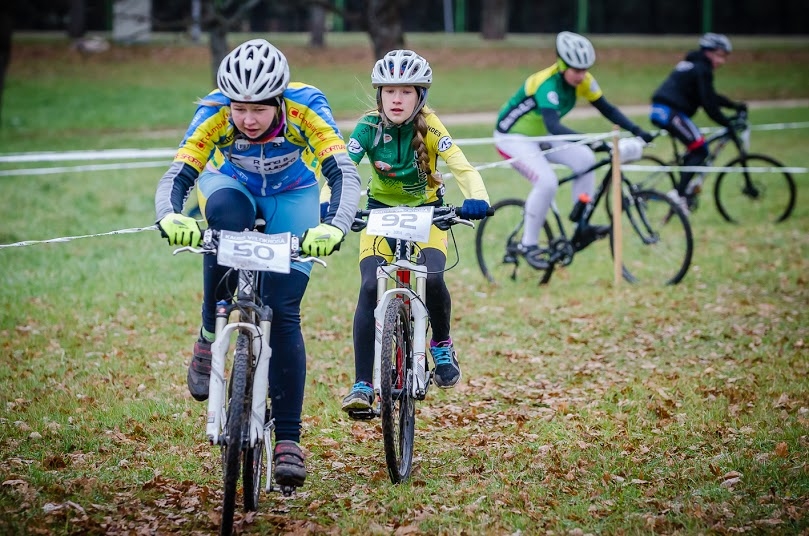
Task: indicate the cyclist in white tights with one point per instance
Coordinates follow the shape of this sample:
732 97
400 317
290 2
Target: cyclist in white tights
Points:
536 109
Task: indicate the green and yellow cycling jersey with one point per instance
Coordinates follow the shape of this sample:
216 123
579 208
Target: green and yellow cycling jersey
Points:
396 179
544 89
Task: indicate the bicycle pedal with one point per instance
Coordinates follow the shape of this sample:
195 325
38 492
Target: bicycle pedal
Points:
287 491
361 415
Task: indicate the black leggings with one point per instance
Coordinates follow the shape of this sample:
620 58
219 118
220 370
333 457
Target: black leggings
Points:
439 306
229 209
684 130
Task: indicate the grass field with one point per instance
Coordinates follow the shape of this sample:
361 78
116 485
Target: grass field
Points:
585 408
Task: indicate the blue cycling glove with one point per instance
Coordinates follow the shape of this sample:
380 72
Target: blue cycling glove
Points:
474 209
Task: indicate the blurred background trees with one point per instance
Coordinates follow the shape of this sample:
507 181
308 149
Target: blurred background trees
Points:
387 22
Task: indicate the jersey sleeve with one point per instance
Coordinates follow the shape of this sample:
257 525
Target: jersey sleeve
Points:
468 178
315 124
209 127
361 139
589 89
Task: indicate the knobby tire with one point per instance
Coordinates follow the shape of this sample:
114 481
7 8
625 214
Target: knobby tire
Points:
496 242
398 409
237 413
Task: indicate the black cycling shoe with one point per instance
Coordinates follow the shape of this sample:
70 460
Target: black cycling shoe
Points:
289 467
534 256
199 371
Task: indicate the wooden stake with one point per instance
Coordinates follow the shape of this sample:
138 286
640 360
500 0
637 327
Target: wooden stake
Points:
617 236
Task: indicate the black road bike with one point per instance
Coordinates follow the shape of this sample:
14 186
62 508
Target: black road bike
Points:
657 239
758 191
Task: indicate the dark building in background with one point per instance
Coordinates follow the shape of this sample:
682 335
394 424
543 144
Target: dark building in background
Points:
753 17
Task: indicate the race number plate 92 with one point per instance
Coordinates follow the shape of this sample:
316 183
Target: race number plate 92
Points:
407 223
250 250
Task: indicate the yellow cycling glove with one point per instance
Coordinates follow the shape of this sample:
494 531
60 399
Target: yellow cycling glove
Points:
322 240
180 230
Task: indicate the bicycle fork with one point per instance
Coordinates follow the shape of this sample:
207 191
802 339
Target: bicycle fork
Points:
418 386
216 393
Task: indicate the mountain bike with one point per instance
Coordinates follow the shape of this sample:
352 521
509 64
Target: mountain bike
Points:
657 241
401 372
239 417
756 192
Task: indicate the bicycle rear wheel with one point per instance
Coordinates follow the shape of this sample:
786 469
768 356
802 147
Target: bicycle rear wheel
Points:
657 241
754 196
237 414
252 475
398 408
496 242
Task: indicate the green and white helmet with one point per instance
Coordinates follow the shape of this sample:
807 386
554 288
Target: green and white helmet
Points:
402 68
575 50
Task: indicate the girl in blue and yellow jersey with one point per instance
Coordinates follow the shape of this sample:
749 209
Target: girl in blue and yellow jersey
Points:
403 140
536 109
253 149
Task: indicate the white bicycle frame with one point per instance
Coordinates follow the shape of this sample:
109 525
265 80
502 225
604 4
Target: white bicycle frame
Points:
247 252
384 275
407 225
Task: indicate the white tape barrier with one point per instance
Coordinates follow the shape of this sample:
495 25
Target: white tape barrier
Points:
73 169
715 169
70 238
133 154
579 140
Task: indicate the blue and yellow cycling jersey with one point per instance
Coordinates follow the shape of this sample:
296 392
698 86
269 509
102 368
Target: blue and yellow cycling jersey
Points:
396 178
544 89
309 144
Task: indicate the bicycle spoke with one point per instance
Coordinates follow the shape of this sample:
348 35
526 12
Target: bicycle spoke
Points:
657 242
397 406
754 196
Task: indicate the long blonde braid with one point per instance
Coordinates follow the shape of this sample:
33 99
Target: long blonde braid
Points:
423 160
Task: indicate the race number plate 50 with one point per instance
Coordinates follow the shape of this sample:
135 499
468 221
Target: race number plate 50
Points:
250 250
408 223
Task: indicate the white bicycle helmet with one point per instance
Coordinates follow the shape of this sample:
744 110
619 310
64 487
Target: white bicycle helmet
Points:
402 68
715 41
575 50
253 71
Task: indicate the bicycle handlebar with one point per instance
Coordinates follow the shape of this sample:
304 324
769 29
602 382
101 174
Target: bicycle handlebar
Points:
210 240
443 217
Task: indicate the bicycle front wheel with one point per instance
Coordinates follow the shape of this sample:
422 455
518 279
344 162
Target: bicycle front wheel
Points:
755 196
237 414
660 180
398 408
657 242
496 242
252 466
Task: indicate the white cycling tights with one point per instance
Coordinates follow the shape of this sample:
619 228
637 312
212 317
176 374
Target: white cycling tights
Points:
535 165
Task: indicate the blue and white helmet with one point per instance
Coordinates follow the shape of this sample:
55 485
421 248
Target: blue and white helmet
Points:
575 50
253 71
715 41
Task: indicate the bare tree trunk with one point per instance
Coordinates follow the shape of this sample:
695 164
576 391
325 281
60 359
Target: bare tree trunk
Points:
77 21
223 14
317 26
494 19
6 28
219 47
385 26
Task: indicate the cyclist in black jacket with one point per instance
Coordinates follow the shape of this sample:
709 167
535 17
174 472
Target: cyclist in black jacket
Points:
689 87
